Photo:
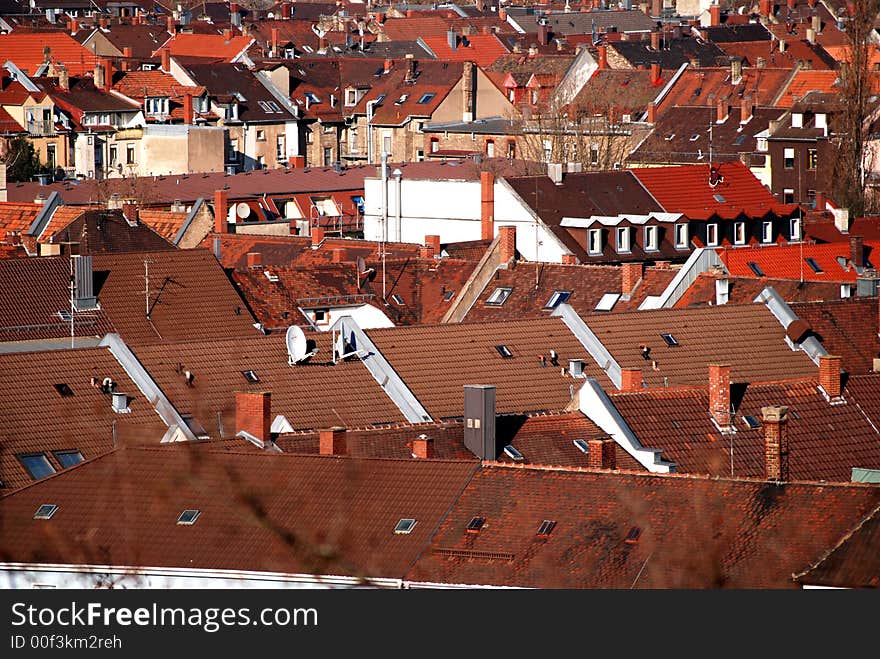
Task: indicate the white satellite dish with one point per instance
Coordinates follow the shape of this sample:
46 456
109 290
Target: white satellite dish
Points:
242 210
297 346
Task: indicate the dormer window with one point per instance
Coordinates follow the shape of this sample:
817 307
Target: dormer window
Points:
821 120
623 242
797 120
652 238
739 233
594 244
681 236
351 98
711 235
766 232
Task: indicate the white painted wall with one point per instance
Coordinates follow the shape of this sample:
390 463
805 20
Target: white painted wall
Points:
365 315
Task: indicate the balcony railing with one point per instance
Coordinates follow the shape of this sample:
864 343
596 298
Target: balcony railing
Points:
38 128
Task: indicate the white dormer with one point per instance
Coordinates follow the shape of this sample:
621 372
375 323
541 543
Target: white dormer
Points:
822 121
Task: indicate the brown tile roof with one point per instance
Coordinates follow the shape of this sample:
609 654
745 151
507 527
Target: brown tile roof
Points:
824 231
313 395
825 441
466 354
62 217
618 92
143 40
108 231
795 53
469 250
122 509
704 87
190 297
166 223
38 419
847 328
743 290
683 532
746 336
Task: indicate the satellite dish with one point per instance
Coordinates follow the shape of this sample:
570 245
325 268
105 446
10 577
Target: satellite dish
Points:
242 210
297 346
361 265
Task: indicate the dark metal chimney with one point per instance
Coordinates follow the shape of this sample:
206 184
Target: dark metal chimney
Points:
83 284
479 420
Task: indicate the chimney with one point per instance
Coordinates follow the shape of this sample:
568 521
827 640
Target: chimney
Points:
543 32
317 236
829 375
817 24
221 211
274 42
468 96
745 109
227 34
170 26
451 39
507 243
286 11
791 4
603 453
569 259
100 74
603 56
74 26
187 108
811 36
655 74
719 395
253 414
502 14
656 8
723 111
782 45
766 8
655 39
651 115
630 379
775 443
487 205
423 447
166 60
736 71
297 162
715 15
332 441
102 23
254 260
83 281
130 212
760 62
479 420
631 275
433 242
63 77
339 255
857 251
820 201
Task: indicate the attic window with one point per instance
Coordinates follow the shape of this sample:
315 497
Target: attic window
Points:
37 465
582 445
719 198
311 98
695 137
504 351
499 296
815 266
513 454
633 536
671 341
546 528
250 376
448 296
68 458
239 97
397 299
405 526
754 267
402 99
188 517
751 422
63 390
426 98
475 524
559 297
46 511
669 137
739 140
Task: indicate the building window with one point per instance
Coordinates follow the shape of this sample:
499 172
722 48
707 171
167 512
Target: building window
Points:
534 97
767 232
788 196
548 150
794 232
114 156
50 155
511 95
739 233
762 144
232 156
511 149
261 135
499 296
788 158
594 241
280 148
623 240
386 143
490 148
351 97
711 234
435 144
821 121
37 465
812 158
594 155
681 236
797 120
651 239
129 154
420 155
261 162
328 156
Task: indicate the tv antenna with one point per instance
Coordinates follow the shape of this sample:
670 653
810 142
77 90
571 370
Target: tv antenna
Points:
297 346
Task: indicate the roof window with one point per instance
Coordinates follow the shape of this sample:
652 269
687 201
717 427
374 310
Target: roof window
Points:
188 517
633 536
499 296
68 458
37 465
250 376
671 341
405 526
558 297
815 266
426 98
582 445
46 511
513 454
504 351
546 528
475 524
63 389
754 267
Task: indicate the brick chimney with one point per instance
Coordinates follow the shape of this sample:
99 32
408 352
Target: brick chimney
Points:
130 211
543 33
434 243
655 74
100 75
187 108
221 210
170 25
656 8
630 276
775 443
829 375
339 255
423 447
332 441
719 395
715 15
254 260
820 201
274 42
507 240
286 11
253 414
317 235
603 56
227 34
766 8
857 251
652 113
630 379
792 4
603 453
745 109
166 60
297 162
468 83
723 110
569 259
487 205
63 77
102 23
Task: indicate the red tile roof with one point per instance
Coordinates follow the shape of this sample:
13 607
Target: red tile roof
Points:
686 189
211 46
166 223
141 84
683 532
848 328
8 124
705 87
483 49
795 53
790 261
743 290
805 82
17 216
26 50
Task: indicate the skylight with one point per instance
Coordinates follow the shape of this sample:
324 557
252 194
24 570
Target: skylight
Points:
719 198
695 137
499 296
752 422
397 299
670 137
37 465
68 458
402 99
250 376
239 96
740 140
633 536
426 98
504 351
607 302
513 454
448 296
815 266
671 341
582 445
754 267
312 98
559 297
63 390
188 517
475 524
405 526
546 528
46 511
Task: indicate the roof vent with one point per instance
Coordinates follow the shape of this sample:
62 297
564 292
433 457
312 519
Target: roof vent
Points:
120 403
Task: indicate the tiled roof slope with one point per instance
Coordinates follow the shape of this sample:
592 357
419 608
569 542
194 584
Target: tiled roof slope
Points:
807 81
166 223
107 232
436 361
825 441
258 512
142 39
483 49
33 292
853 563
190 297
796 54
17 216
864 391
748 337
38 419
214 46
25 49
313 395
789 261
704 87
743 290
847 328
685 532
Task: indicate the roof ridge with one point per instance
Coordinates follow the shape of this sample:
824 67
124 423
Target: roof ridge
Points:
840 542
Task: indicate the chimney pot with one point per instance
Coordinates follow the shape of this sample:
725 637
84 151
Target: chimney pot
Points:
253 414
603 454
297 162
166 60
829 375
820 201
333 441
715 15
433 243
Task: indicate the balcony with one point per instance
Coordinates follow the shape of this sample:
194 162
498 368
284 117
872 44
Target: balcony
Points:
38 128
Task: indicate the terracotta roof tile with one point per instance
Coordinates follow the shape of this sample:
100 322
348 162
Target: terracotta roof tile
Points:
17 216
25 49
848 328
791 261
107 231
704 87
483 49
166 223
214 46
804 82
795 53
744 290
